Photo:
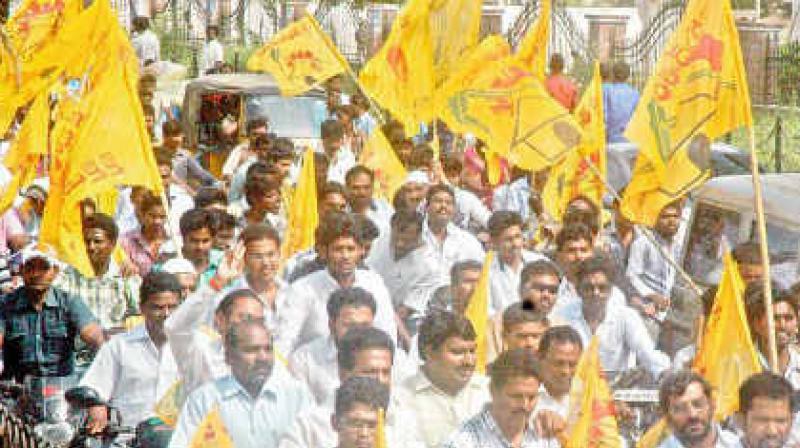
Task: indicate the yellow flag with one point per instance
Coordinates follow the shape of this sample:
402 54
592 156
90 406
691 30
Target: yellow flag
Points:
698 93
168 407
448 46
727 355
379 156
532 51
303 218
100 135
504 105
574 175
478 313
400 77
596 426
380 436
655 435
299 57
211 432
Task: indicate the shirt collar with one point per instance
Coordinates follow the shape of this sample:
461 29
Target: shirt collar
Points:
229 387
50 298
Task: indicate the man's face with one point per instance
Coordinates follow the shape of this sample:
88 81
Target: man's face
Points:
462 291
525 335
689 415
415 194
284 166
262 259
351 317
165 171
558 367
595 290
197 245
751 272
269 201
261 130
251 358
509 244
243 310
173 141
223 239
405 239
513 404
441 209
668 222
332 145
573 253
332 202
342 256
785 325
157 309
153 220
358 427
38 274
98 246
373 363
453 363
359 190
768 422
541 291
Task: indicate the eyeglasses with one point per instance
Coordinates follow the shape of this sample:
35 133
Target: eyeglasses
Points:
541 287
698 404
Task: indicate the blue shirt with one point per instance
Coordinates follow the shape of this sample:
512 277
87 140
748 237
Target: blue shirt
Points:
41 343
619 103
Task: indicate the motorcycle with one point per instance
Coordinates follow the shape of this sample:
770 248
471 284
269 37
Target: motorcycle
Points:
638 392
82 398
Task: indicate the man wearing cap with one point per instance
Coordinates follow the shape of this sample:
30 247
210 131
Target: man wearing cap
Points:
38 323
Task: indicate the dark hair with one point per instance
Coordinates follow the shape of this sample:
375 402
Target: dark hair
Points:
156 282
754 300
141 23
439 188
597 263
260 232
358 170
573 231
259 169
359 339
260 185
458 268
148 109
747 253
321 159
403 219
622 71
226 304
337 225
557 62
332 187
359 389
520 313
502 220
354 297
171 128
207 196
223 220
591 217
421 156
513 364
282 148
163 157
240 331
537 268
150 200
331 130
196 219
103 222
675 383
560 334
254 124
400 199
367 230
451 165
439 326
766 385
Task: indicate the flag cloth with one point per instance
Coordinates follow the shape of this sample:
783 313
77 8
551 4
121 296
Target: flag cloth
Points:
100 135
655 435
596 425
379 156
168 407
400 77
478 313
211 432
27 149
727 355
574 176
303 218
449 47
698 93
504 105
532 51
380 436
299 57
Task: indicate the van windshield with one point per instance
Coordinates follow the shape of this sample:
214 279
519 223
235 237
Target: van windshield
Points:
291 117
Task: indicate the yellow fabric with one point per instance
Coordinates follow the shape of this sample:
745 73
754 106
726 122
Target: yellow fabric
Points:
380 437
574 176
101 136
299 57
596 425
168 407
727 355
303 217
654 436
494 168
400 77
211 432
504 105
698 93
379 156
532 51
27 149
133 321
478 313
449 46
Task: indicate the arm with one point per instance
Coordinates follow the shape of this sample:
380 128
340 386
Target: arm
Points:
195 170
639 340
89 329
292 319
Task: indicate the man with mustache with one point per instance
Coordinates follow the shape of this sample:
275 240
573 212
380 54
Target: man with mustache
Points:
686 403
357 405
256 402
765 403
785 313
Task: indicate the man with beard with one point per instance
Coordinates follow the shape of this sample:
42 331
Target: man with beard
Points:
686 403
785 315
765 403
360 182
256 403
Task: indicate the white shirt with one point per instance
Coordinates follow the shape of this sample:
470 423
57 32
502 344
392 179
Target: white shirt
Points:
458 245
725 439
297 260
306 318
147 47
380 213
547 402
504 282
235 159
648 271
251 422
343 160
568 299
439 414
410 280
621 333
132 374
470 211
513 197
212 54
270 313
316 365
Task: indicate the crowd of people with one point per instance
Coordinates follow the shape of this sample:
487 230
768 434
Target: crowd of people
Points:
193 300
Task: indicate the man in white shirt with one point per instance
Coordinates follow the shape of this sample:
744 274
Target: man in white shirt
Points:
242 153
212 54
356 411
315 362
448 241
145 42
134 370
505 228
338 239
446 391
765 405
360 183
559 353
256 403
341 158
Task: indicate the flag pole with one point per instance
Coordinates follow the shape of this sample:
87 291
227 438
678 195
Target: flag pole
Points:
762 237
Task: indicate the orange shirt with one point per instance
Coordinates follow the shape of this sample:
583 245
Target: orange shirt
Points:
563 90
